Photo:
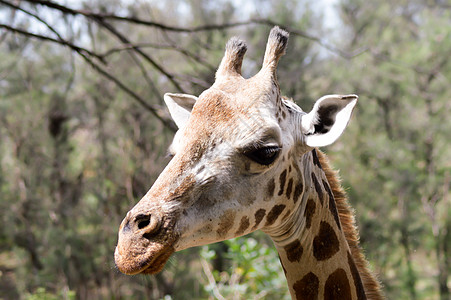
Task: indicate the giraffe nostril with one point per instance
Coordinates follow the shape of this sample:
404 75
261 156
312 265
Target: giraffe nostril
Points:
147 223
142 221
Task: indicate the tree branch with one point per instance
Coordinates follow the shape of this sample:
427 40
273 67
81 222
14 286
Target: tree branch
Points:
86 54
102 18
173 47
211 279
90 14
206 27
49 39
157 111
147 57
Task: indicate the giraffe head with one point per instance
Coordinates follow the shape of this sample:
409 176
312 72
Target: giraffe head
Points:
231 156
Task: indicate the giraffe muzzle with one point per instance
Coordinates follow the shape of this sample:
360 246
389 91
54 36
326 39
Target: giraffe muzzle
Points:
144 245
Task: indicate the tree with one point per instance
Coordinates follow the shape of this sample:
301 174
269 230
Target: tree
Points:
84 133
402 80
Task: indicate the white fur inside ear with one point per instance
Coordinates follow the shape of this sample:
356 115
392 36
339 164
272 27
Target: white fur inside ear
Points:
180 106
345 105
308 123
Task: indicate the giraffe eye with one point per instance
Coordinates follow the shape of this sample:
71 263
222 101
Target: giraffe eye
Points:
264 156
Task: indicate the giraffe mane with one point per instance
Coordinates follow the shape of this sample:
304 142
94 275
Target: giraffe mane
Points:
346 214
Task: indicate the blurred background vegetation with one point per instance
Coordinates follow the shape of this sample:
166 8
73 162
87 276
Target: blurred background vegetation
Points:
83 135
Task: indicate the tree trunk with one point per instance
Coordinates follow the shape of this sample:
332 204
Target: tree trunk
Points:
411 278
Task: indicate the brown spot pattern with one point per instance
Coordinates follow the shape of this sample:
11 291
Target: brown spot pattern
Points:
337 286
360 291
307 288
206 229
332 206
294 251
225 223
369 281
318 189
298 189
289 188
270 188
309 211
315 159
325 244
274 214
244 224
286 214
282 179
259 215
246 201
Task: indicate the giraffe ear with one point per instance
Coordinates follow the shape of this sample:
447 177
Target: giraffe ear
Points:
328 119
180 106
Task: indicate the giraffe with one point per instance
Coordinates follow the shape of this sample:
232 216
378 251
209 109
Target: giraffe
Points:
246 159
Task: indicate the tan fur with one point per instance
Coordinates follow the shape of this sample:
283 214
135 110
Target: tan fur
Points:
275 48
188 207
370 283
233 58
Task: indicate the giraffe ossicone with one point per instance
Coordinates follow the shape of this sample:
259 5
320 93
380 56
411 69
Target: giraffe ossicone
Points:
245 159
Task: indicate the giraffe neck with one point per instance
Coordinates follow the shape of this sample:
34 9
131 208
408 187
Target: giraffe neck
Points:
313 249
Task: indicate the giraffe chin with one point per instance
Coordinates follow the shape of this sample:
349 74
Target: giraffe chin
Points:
149 263
157 264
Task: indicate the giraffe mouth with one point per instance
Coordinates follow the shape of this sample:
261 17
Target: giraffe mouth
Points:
157 264
150 262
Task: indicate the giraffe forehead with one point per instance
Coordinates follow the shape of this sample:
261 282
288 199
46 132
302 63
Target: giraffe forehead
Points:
228 117
221 104
214 107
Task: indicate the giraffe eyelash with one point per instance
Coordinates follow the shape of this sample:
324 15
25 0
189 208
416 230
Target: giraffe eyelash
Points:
265 155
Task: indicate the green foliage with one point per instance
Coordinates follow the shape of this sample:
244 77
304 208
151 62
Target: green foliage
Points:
253 270
76 152
399 176
42 294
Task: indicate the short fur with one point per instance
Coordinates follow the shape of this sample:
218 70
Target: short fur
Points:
371 284
233 58
275 48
